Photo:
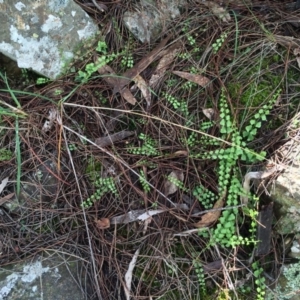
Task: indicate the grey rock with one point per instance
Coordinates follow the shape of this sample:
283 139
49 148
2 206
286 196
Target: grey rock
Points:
287 285
286 191
47 277
295 250
40 186
147 22
43 35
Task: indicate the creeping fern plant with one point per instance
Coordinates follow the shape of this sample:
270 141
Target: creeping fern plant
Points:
200 275
148 148
227 155
103 59
103 185
259 281
144 183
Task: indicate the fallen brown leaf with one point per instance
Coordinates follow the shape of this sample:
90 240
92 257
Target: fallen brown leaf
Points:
199 79
6 198
297 54
140 66
110 77
142 85
169 187
212 216
218 10
127 95
181 153
102 223
3 184
163 64
112 138
209 113
286 41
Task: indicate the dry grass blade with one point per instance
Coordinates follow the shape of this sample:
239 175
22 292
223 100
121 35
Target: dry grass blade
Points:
286 41
101 6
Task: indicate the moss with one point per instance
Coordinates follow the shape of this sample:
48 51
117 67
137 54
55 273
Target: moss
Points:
257 83
93 168
5 154
234 89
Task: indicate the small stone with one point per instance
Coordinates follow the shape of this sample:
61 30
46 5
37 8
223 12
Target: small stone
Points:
43 35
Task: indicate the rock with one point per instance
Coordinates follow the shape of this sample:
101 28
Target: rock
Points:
43 35
295 250
287 283
147 22
39 186
42 278
286 191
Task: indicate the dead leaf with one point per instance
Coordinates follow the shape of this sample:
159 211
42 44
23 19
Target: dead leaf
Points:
212 216
52 116
297 54
286 41
209 113
6 198
135 215
128 275
199 79
218 11
127 77
256 175
101 6
181 153
3 184
102 223
142 85
163 64
112 138
170 188
111 78
127 95
119 83
213 266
